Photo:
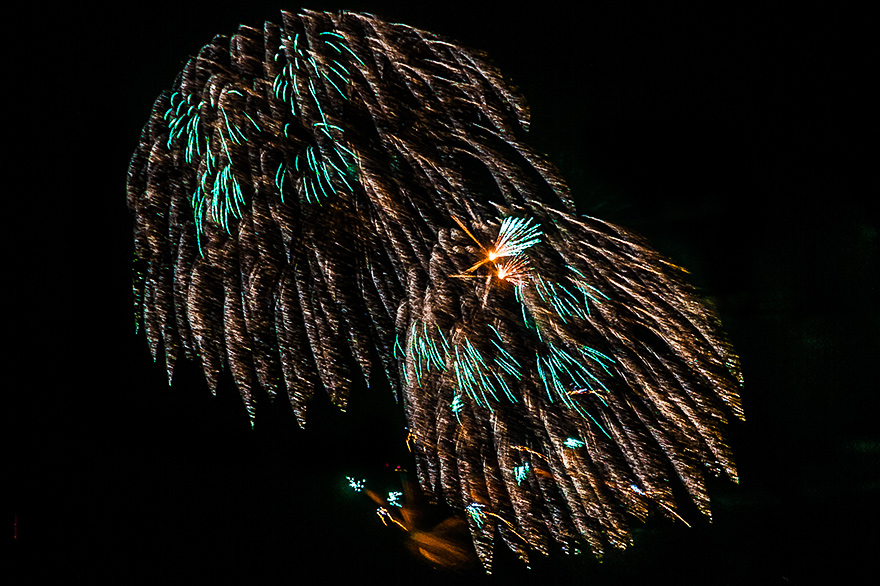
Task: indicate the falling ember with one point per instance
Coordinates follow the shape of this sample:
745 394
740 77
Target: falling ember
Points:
311 208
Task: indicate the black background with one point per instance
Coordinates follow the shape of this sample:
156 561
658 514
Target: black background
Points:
734 138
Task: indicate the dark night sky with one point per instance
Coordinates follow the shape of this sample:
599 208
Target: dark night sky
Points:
732 138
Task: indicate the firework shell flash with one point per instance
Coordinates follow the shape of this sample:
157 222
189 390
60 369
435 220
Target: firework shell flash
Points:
337 195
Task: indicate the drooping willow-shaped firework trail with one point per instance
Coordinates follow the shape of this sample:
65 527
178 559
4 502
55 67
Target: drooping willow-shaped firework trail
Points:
339 192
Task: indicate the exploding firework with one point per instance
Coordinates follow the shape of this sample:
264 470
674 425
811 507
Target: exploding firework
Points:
339 193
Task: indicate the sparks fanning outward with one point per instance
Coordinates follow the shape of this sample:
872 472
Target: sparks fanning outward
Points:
338 193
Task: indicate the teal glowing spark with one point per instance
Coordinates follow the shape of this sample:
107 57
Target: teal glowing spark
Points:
476 512
515 236
457 404
521 472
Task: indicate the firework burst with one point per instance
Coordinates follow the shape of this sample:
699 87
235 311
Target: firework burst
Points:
310 205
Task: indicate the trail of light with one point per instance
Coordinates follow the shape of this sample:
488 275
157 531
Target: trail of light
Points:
336 87
279 179
531 451
346 47
343 76
637 490
386 516
466 231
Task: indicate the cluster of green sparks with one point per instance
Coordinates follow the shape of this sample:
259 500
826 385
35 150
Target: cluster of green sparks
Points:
484 378
323 169
356 485
210 130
